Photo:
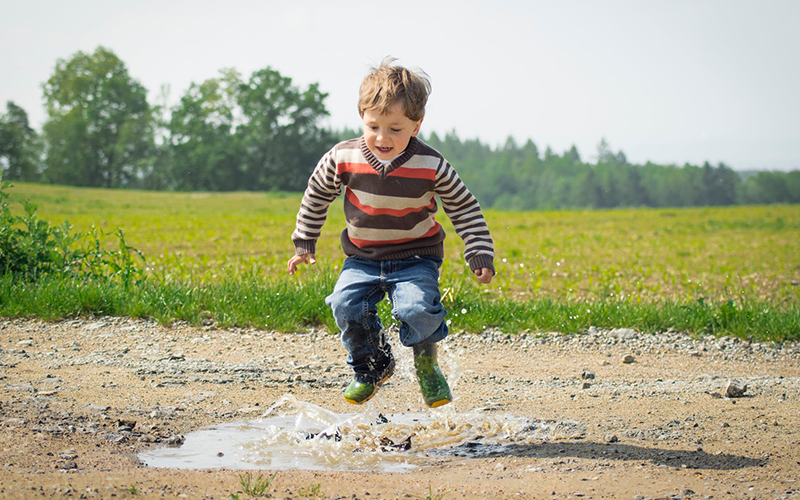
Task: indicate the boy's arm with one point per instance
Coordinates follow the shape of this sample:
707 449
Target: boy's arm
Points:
464 211
324 186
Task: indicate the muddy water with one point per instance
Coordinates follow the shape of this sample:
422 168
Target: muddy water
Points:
297 435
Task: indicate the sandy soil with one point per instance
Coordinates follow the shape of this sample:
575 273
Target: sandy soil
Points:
80 399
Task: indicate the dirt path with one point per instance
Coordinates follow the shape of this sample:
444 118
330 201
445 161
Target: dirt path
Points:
80 400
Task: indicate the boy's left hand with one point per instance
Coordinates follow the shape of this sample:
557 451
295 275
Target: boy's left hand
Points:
484 275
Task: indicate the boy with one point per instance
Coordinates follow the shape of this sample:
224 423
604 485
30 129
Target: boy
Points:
392 240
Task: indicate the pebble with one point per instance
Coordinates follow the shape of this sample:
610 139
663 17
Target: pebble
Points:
624 333
174 440
735 389
97 408
21 387
628 359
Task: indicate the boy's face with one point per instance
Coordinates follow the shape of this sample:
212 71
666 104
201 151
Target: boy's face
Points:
387 135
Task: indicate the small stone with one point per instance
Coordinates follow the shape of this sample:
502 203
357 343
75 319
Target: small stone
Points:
735 389
70 465
623 333
174 440
126 423
586 385
21 387
628 359
610 438
587 375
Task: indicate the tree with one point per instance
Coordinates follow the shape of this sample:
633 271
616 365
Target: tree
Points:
203 146
280 133
229 134
100 127
20 148
719 185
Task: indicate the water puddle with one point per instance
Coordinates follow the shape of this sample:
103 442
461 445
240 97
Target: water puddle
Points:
295 434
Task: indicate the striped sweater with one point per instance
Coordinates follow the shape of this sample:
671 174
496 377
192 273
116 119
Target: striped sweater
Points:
390 209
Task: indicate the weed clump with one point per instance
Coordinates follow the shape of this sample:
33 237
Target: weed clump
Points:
255 486
31 249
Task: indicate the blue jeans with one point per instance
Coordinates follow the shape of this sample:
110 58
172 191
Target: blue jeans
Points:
413 289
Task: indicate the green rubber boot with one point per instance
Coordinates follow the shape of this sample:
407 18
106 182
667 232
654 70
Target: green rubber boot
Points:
435 390
364 385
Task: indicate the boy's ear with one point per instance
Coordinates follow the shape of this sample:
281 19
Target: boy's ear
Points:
416 129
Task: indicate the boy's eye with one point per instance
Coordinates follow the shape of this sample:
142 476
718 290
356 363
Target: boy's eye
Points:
395 130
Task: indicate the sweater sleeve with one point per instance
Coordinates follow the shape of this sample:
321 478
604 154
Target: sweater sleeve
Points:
464 211
324 186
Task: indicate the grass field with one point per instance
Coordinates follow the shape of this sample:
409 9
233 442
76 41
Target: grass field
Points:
734 259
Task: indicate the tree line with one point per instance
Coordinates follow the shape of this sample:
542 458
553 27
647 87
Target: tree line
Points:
515 177
264 133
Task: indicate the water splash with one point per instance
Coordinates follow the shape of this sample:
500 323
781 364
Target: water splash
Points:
294 434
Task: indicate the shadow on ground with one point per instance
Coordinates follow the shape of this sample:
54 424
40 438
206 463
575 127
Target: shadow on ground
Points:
692 459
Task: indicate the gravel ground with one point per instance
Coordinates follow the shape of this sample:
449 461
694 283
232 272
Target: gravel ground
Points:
648 416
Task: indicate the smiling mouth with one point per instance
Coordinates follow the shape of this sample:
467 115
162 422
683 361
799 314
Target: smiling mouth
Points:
383 150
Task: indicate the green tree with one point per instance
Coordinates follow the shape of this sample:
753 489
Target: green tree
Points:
156 173
719 185
771 187
228 134
100 127
280 134
203 148
20 148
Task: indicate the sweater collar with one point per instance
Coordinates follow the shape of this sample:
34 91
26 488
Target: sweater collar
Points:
380 168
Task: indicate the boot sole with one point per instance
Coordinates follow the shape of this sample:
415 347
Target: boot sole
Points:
377 386
437 404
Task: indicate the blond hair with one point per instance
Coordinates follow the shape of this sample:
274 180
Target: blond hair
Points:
388 84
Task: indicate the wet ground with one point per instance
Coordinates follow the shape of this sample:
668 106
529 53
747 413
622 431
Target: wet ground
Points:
86 405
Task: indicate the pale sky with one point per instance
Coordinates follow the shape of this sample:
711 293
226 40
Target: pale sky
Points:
669 81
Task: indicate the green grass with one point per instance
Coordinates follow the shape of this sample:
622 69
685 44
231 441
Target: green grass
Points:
255 486
431 495
724 271
312 491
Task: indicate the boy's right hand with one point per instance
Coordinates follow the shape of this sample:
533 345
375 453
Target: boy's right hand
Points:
307 258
